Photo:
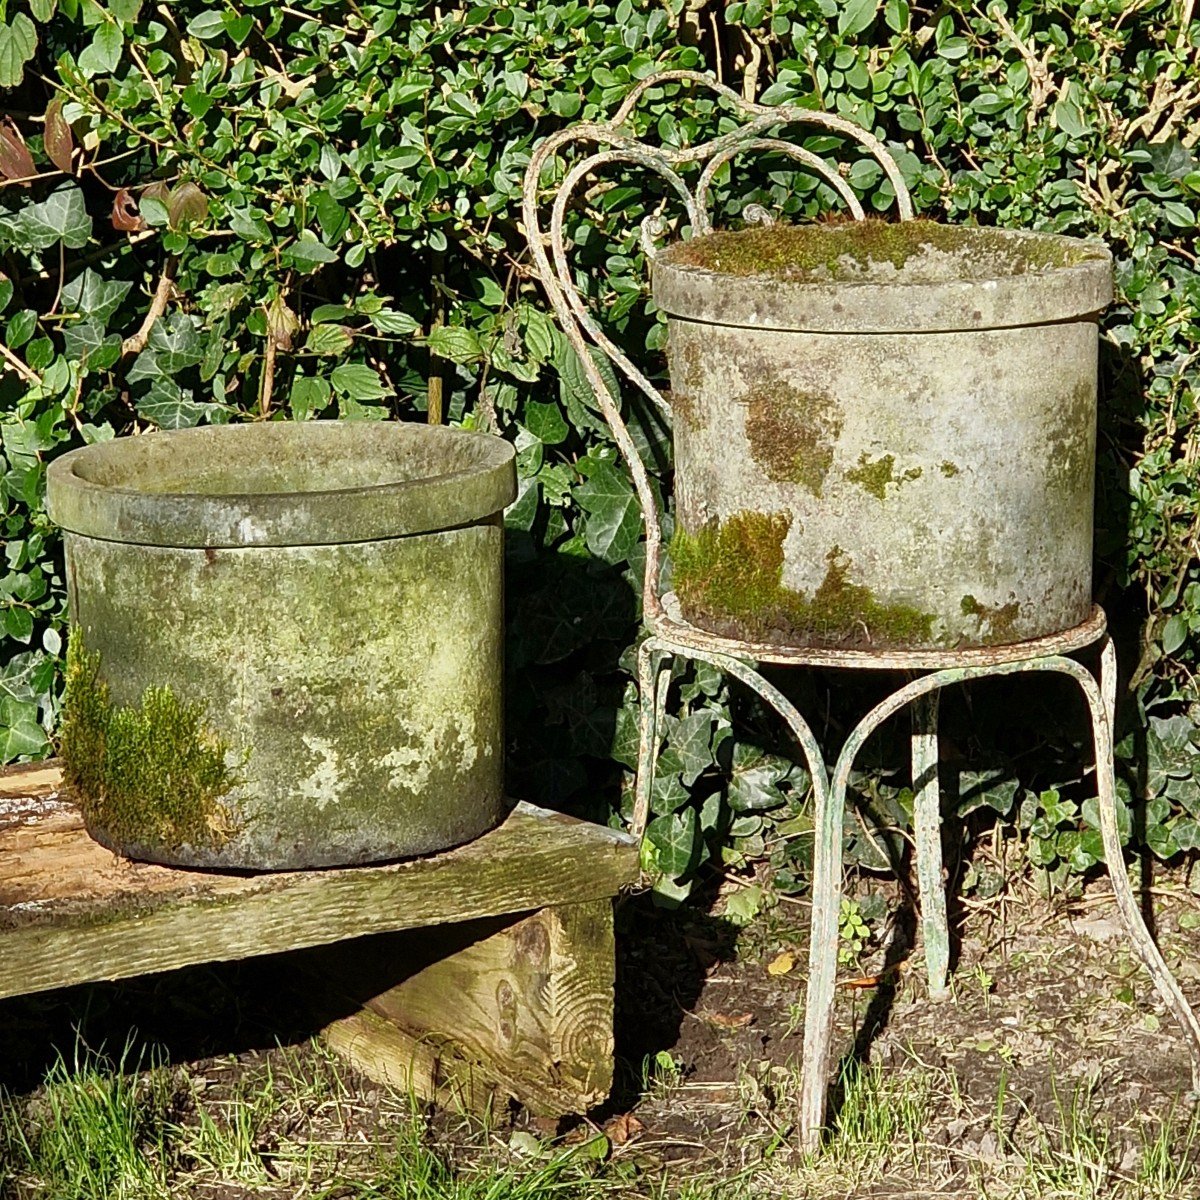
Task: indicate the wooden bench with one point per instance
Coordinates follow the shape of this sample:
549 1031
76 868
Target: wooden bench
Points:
482 973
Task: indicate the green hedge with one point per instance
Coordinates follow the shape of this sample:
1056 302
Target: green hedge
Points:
266 211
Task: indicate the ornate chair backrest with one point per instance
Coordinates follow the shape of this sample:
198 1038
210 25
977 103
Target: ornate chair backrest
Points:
612 142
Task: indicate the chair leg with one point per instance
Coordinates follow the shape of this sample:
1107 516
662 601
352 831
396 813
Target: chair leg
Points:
1100 702
822 963
927 823
654 676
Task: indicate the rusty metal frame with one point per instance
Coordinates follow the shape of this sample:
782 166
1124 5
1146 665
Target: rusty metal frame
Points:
572 156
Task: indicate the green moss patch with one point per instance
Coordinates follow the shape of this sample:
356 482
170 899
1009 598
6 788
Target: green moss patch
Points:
873 475
728 577
847 250
150 773
792 433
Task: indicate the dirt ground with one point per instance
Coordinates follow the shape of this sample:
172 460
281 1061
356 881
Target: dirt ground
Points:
1052 1032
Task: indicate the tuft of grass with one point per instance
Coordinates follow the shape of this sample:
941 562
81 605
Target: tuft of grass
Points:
882 1119
97 1130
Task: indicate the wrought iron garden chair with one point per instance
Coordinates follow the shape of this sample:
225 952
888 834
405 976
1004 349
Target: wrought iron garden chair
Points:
577 153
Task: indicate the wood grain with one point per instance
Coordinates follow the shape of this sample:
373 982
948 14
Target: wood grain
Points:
72 912
526 1003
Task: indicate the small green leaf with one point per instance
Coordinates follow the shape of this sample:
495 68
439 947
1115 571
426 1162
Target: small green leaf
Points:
855 16
307 252
206 26
386 320
1174 633
328 339
358 382
18 43
102 55
308 396
456 343
1067 114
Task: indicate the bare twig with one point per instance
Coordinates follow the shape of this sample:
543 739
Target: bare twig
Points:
136 343
27 373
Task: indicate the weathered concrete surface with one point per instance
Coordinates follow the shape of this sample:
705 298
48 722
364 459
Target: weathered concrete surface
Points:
358 685
933 481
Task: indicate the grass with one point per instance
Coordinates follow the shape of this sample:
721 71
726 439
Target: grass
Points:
293 1124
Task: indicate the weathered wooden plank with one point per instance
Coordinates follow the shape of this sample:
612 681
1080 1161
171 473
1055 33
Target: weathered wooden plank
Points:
527 1004
72 912
423 1068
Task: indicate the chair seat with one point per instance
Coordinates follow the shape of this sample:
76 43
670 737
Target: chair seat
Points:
673 627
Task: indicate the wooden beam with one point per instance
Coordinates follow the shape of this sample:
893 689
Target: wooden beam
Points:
72 912
526 1006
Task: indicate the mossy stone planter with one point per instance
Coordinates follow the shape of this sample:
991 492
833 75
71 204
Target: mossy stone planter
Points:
884 433
286 641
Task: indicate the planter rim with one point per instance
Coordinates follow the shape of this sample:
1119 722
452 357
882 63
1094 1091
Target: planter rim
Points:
107 491
1076 291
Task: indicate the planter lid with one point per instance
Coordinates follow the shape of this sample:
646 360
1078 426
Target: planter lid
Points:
281 484
878 277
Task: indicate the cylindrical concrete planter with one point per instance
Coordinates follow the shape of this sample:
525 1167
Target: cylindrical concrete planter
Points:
884 433
286 641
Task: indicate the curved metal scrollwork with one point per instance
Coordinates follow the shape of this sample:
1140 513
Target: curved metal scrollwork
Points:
612 143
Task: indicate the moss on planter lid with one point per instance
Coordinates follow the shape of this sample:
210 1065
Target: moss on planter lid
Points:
729 576
148 774
874 250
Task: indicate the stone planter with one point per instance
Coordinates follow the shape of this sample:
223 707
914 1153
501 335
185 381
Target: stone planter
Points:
286 641
884 433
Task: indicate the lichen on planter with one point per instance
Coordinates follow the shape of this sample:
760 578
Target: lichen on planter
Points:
792 432
730 574
997 622
874 475
154 769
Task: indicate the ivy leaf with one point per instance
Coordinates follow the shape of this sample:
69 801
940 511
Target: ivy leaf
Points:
18 42
855 16
24 738
168 406
176 342
689 747
545 422
754 779
91 295
614 523
676 841
61 217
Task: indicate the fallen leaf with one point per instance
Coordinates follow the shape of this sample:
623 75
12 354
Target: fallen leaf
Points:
728 1020
623 1128
57 138
15 159
125 214
782 963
